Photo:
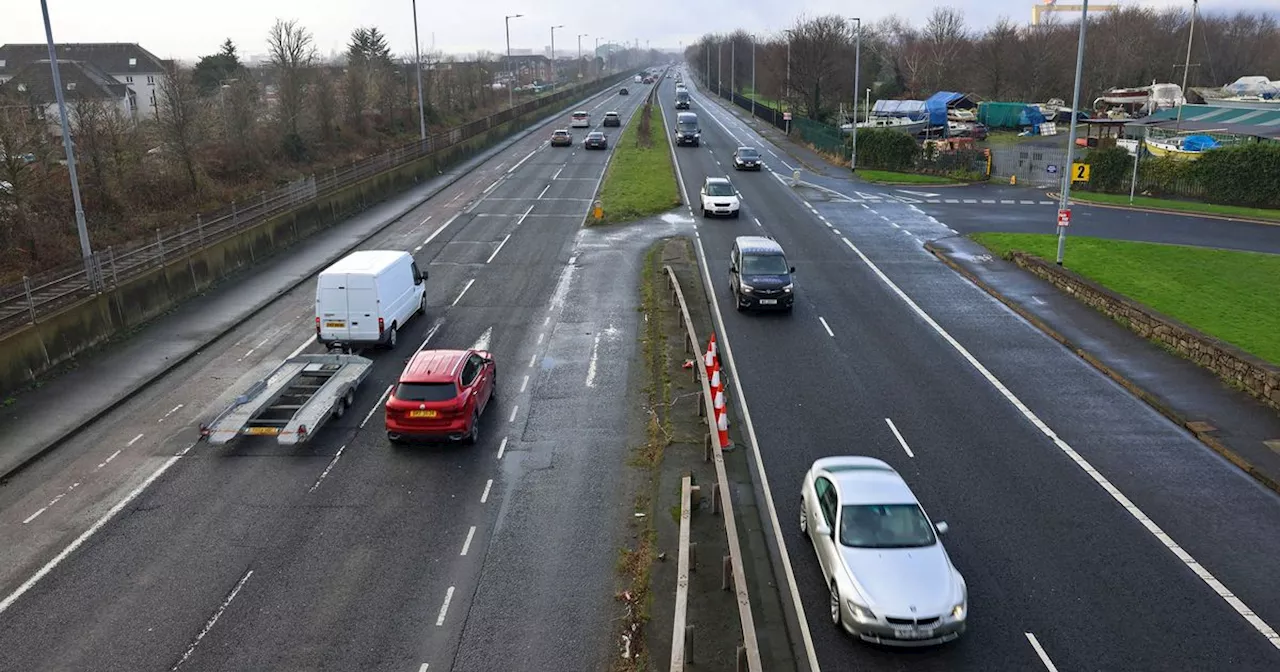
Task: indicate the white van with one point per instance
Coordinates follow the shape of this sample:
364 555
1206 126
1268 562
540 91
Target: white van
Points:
366 297
639 79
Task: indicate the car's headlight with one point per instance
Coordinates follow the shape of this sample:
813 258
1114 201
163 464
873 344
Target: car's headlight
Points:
788 288
860 613
747 288
958 611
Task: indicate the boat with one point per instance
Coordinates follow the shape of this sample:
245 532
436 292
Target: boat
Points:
904 124
1187 147
1254 91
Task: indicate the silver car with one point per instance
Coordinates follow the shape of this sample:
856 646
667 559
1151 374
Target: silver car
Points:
891 580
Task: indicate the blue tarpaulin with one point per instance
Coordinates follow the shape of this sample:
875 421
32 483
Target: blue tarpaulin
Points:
1199 143
937 105
1031 116
911 109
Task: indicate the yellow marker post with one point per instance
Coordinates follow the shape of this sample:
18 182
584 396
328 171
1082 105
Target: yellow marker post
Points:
1079 172
597 210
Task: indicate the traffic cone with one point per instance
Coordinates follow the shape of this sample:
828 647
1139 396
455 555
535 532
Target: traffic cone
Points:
722 424
709 361
716 386
711 346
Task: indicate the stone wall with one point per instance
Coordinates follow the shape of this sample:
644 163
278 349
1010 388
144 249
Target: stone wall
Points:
1231 364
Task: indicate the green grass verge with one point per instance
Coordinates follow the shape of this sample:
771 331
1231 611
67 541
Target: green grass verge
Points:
641 180
910 178
1224 293
1177 206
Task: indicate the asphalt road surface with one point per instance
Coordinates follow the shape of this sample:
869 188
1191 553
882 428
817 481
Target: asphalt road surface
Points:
347 553
1093 533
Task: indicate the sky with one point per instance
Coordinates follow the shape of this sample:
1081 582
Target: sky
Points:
188 29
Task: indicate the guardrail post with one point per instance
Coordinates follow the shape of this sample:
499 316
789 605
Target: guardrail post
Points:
742 658
200 228
726 572
707 451
235 216
688 635
160 243
111 258
715 498
31 304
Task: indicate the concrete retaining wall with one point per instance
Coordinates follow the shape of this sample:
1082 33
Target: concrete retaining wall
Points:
35 349
1233 365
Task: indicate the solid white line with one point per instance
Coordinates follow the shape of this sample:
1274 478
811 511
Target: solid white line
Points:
423 668
502 447
133 440
84 536
302 347
1209 579
827 327
376 405
901 441
326 469
444 226
524 384
557 174
444 608
722 339
526 214
467 544
464 291
591 366
528 156
513 413
35 515
499 248
544 191
484 497
1044 657
492 186
212 620
434 328
684 191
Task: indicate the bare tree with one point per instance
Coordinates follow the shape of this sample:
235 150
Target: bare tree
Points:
240 102
324 103
946 37
816 48
182 122
995 56
292 52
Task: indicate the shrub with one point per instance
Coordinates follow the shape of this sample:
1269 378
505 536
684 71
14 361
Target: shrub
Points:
886 149
1110 169
1247 175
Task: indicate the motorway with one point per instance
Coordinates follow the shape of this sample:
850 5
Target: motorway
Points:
346 553
1093 533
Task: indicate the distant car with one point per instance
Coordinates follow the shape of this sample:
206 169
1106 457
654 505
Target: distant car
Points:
747 158
441 395
719 197
580 119
595 140
891 581
612 119
562 138
624 91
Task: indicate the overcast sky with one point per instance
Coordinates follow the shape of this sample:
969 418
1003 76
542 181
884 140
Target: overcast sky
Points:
187 29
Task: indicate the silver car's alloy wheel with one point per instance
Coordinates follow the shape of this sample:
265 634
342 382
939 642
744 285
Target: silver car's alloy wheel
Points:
835 604
804 519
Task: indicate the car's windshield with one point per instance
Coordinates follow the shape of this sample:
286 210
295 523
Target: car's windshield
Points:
747 153
689 126
885 526
426 391
760 264
720 189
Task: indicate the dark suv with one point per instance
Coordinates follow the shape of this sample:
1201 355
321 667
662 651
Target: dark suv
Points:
759 275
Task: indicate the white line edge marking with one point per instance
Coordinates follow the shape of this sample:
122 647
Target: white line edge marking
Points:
502 447
1044 657
484 496
898 435
444 226
498 249
133 440
302 347
434 328
444 608
1208 578
591 366
464 291
722 339
212 620
424 667
377 404
466 545
826 326
513 413
35 515
544 191
328 468
524 384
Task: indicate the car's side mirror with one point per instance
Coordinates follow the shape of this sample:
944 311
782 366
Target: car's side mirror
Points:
793 269
733 269
821 527
941 526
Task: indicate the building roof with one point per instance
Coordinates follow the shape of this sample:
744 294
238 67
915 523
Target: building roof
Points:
111 57
34 81
1257 122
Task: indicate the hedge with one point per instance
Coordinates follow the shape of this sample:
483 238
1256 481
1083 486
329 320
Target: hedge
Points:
1244 175
885 149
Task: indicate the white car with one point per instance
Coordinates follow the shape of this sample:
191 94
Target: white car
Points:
719 197
891 581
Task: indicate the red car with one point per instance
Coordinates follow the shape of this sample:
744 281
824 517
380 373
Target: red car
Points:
440 396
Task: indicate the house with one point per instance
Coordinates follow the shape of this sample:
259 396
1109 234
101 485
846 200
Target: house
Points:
81 82
139 70
527 68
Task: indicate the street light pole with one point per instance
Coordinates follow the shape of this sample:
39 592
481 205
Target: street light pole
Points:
857 65
753 76
733 63
555 72
511 70
417 57
82 228
1071 137
594 55
719 66
580 36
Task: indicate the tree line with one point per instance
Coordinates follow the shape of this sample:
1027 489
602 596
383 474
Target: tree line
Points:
810 65
221 132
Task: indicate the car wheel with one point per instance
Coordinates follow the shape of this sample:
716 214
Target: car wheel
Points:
705 213
737 301
394 439
473 437
836 618
736 213
804 518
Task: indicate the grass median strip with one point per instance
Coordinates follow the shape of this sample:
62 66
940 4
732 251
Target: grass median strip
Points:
1227 294
1189 207
640 181
888 176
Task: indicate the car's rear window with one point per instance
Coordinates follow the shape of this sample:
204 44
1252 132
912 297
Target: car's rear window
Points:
426 391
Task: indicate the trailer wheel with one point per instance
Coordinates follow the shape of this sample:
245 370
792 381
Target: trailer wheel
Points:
349 398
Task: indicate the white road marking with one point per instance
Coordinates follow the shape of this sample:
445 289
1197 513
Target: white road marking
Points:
526 214
513 413
484 497
898 435
35 515
434 328
464 291
444 608
970 200
757 221
444 226
328 468
541 335
482 343
827 327
492 186
1044 657
502 447
109 458
545 322
591 366
1027 202
533 360
1006 202
172 411
212 620
524 384
302 347
558 171
423 668
424 222
952 200
466 545
544 191
987 200
1046 203
133 440
455 197
417 249
1209 579
376 405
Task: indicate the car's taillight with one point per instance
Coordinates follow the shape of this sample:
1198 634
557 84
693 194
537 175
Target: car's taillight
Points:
317 326
382 326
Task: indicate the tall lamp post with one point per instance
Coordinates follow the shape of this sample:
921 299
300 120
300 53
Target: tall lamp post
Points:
580 36
81 226
788 91
417 58
511 70
1064 213
753 76
594 55
857 65
719 66
555 72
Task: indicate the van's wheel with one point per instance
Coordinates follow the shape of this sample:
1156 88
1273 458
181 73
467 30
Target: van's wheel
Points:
422 304
392 338
473 437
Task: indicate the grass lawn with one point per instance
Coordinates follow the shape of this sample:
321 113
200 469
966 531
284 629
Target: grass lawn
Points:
1231 295
911 178
1179 206
640 180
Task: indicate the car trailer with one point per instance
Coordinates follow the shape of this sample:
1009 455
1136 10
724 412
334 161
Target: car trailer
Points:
293 401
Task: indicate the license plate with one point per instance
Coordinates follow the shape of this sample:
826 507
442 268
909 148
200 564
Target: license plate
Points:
913 633
423 414
768 302
263 431
335 325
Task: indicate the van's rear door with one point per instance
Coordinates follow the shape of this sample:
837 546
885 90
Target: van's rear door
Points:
331 308
362 308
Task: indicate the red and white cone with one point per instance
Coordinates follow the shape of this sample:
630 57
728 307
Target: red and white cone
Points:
722 424
709 361
716 386
711 347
